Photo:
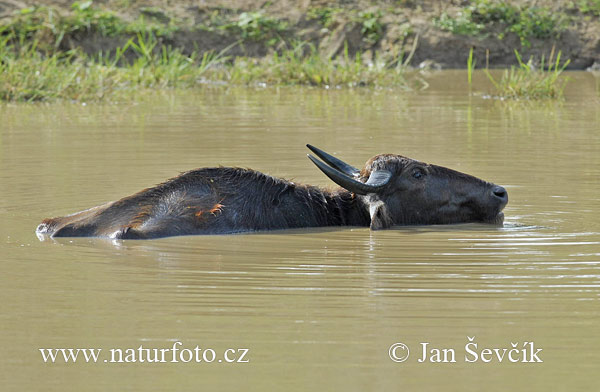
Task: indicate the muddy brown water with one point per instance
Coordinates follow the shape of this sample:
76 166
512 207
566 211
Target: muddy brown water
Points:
316 309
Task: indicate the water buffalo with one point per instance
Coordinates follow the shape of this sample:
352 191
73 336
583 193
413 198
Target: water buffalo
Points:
389 190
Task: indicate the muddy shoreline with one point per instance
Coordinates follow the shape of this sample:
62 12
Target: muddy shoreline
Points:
403 30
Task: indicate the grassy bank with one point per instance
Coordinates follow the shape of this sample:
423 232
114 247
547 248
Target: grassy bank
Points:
499 18
531 82
28 74
44 55
38 64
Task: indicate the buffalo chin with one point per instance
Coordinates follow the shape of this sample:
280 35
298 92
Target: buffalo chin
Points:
498 220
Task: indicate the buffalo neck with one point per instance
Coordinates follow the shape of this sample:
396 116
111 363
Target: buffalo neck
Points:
344 208
273 203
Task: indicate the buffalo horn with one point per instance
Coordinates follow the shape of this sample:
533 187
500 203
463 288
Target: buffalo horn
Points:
377 180
334 162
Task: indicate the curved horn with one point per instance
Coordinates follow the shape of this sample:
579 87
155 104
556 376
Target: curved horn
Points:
376 182
334 162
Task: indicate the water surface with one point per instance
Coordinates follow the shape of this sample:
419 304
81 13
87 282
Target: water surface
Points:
317 309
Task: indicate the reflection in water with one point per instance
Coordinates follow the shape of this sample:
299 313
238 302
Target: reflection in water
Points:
317 308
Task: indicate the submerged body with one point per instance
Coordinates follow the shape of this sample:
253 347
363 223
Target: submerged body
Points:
211 201
390 190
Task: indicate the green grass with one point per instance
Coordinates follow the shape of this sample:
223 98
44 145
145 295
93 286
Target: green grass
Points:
470 67
371 27
482 17
303 65
258 27
48 28
532 83
28 74
36 64
591 7
460 24
325 15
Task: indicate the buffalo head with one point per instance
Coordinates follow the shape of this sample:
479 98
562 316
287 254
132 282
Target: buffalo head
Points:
402 191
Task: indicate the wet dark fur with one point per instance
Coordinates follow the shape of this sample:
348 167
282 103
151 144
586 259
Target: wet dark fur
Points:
212 201
230 200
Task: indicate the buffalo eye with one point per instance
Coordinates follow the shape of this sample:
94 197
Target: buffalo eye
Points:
418 174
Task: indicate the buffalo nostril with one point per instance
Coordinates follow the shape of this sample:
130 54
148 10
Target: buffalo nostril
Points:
500 192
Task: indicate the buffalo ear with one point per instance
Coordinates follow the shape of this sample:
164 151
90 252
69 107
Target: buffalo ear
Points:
380 215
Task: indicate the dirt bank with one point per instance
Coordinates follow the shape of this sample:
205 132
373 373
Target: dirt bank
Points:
438 33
